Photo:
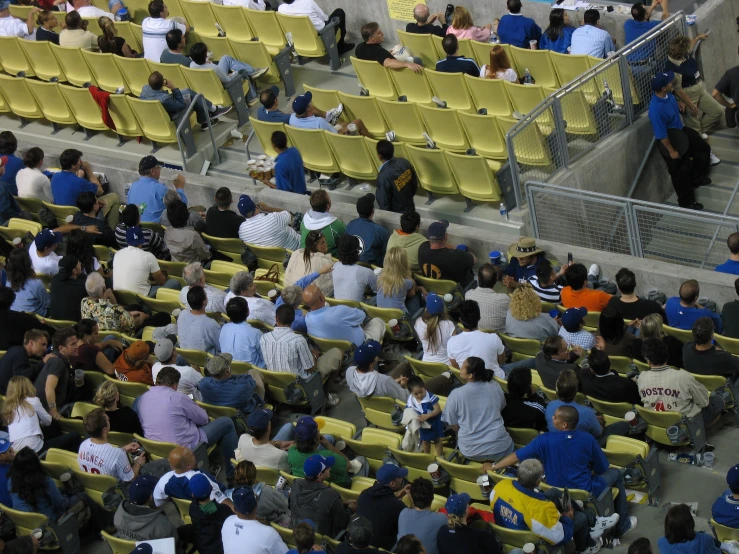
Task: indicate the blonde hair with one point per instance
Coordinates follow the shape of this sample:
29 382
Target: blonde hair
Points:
456 521
394 272
19 390
461 18
44 16
651 327
433 333
105 395
498 62
679 48
525 304
109 31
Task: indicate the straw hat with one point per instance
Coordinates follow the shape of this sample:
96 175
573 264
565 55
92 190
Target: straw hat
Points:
525 246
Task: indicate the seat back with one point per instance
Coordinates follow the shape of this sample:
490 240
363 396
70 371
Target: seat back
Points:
481 51
474 177
375 78
135 71
404 120
724 533
530 347
658 423
195 357
683 335
305 38
484 135
428 369
514 537
125 30
83 106
269 29
170 71
324 345
12 57
19 97
42 60
432 170
73 65
451 88
613 77
314 149
439 286
615 409
25 522
538 63
158 448
122 115
524 98
414 86
489 94
105 71
232 20
51 101
385 314
727 343
421 45
229 247
207 83
353 156
529 144
366 109
445 128
569 67
264 130
153 120
219 46
118 545
323 99
338 427
258 55
201 18
576 112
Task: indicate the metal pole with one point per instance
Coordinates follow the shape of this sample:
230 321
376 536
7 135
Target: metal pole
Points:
532 209
623 69
718 227
559 128
515 177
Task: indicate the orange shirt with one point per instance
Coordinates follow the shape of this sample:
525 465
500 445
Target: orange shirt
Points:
593 300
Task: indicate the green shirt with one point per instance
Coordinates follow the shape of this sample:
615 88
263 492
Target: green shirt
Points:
339 474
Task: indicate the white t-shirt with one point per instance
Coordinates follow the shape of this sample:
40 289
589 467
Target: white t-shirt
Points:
48 265
189 378
260 309
248 536
92 11
507 74
132 268
155 31
447 330
476 343
25 429
350 281
262 455
272 229
306 7
13 27
160 497
251 4
33 184
105 459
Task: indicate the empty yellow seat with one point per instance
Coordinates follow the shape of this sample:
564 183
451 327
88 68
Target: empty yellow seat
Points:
201 18
52 103
258 55
268 28
85 109
489 94
451 88
432 170
529 145
153 120
42 60
12 57
135 71
314 149
404 120
445 128
105 71
353 156
366 109
232 20
374 78
19 98
475 177
307 41
484 135
538 63
73 64
414 86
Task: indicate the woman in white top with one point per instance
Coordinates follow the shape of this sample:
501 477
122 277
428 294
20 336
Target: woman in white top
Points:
351 280
31 182
314 257
434 329
499 66
261 309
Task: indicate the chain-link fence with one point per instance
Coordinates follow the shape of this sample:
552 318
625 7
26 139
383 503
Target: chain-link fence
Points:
626 226
602 97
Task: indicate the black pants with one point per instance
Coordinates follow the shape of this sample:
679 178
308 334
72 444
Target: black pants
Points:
341 16
67 441
688 170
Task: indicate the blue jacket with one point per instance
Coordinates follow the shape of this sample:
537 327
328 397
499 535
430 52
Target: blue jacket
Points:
701 544
14 165
683 318
173 103
725 510
373 238
517 30
563 42
148 195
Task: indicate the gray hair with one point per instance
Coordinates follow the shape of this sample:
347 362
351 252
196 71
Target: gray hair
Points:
193 273
530 472
95 285
170 197
240 282
292 296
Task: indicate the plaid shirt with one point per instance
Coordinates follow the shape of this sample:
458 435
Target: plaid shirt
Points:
284 350
493 308
581 338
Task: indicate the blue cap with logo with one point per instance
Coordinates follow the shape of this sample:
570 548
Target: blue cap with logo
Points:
135 236
259 419
244 500
434 304
47 238
141 489
390 472
246 204
732 479
661 80
200 486
301 103
572 317
307 427
457 504
5 445
437 230
316 464
142 548
365 354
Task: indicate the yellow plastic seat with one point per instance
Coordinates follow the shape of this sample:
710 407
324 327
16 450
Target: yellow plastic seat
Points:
445 128
418 460
51 102
32 227
538 63
622 451
421 45
432 170
569 66
484 135
439 286
232 20
404 120
530 347
258 55
414 86
207 83
276 383
268 256
105 71
42 60
59 323
126 32
426 369
118 545
372 445
451 88
324 345
464 45
159 449
21 12
201 18
19 98
12 57
337 427
615 409
366 109
529 145
73 65
285 534
85 109
268 29
218 46
323 99
359 484
353 156
264 130
126 124
658 422
489 94
195 357
522 437
591 320
712 382
314 148
621 364
128 388
135 71
375 78
153 120
481 51
612 76
682 335
475 177
60 212
306 40
398 147
139 32
378 412
170 71
576 113
95 485
228 247
727 343
723 532
514 538
341 302
26 522
524 98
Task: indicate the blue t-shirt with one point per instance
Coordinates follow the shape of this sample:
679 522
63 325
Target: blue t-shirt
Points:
5 498
398 300
703 543
337 323
241 340
289 171
571 459
563 42
66 187
517 30
14 165
275 116
683 318
729 266
633 29
725 510
588 422
373 237
148 195
311 122
664 114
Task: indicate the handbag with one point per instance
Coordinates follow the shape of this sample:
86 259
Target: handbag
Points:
273 275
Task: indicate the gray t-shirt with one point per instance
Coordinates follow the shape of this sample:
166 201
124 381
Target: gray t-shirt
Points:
351 281
169 57
541 327
425 524
59 368
475 408
198 332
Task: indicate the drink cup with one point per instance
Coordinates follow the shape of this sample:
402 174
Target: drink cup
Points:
448 298
79 377
485 484
378 270
631 418
273 294
280 483
533 44
69 218
352 129
17 242
495 257
37 534
529 548
708 459
434 471
394 325
262 158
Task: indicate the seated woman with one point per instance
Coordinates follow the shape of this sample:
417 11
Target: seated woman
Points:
462 26
652 328
273 505
122 418
95 354
30 293
351 280
524 408
524 318
260 309
395 288
681 537
31 181
31 489
499 66
184 243
313 257
110 43
615 340
80 246
130 217
558 36
434 329
47 22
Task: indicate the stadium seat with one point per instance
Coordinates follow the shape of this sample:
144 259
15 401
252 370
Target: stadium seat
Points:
73 65
475 178
378 411
126 124
481 51
125 30
512 538
207 83
269 29
309 43
314 149
414 86
218 46
135 71
433 171
276 382
529 347
621 364
105 71
60 212
263 130
42 60
683 335
489 94
337 428
529 145
86 111
400 151
366 109
324 345
577 113
258 55
19 11
569 67
95 485
524 98
170 71
13 59
372 445
439 286
324 99
464 44
201 18
727 343
229 247
353 156
358 485
268 256
631 453
52 103
195 357
722 532
538 63
4 107
404 120
183 507
374 78
19 98
426 369
154 121
658 422
612 76
26 522
484 135
463 477
118 545
156 448
615 409
421 45
451 88
232 20
522 437
129 388
445 128
139 32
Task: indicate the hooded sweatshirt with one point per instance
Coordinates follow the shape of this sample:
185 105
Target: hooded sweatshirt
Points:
374 383
410 244
322 504
332 228
141 523
701 544
380 505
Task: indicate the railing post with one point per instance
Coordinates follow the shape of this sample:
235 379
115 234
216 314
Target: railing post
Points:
560 128
634 232
515 176
623 69
532 210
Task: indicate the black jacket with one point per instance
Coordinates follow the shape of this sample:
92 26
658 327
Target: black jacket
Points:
380 505
66 296
319 502
610 388
16 363
206 529
396 186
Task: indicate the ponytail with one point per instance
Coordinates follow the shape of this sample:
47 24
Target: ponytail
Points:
476 368
108 28
310 246
43 17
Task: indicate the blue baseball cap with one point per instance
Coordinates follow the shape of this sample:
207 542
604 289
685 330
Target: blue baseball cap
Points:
47 238
307 427
135 236
365 354
141 489
5 5
661 80
732 479
142 548
434 304
572 317
457 504
390 472
259 419
200 486
301 103
437 230
246 204
5 445
244 500
316 464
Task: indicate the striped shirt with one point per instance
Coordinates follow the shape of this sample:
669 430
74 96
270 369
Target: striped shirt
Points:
104 459
270 229
546 294
286 351
154 242
592 41
580 338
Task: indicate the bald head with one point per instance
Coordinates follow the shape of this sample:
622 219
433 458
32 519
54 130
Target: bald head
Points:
421 13
182 459
313 297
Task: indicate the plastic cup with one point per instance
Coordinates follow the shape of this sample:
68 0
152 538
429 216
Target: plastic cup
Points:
17 241
69 218
529 548
352 129
394 325
272 293
495 257
340 445
378 270
448 298
79 377
708 459
434 471
262 158
631 418
534 45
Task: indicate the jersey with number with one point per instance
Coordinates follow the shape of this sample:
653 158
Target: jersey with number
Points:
104 459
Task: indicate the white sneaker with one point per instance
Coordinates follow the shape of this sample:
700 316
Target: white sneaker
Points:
704 136
632 521
730 547
602 524
390 135
332 400
595 548
362 91
332 116
259 72
594 270
714 159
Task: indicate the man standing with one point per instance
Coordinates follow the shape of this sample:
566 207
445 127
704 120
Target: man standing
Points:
454 63
728 87
439 260
396 180
155 29
424 25
148 192
133 266
372 237
688 158
17 360
590 39
372 50
493 305
289 169
515 29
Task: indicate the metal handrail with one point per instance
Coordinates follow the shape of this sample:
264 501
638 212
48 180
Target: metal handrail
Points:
715 233
185 119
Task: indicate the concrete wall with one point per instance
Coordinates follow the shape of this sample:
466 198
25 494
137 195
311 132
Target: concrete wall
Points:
719 52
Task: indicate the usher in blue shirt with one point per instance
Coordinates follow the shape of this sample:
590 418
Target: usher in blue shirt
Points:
289 171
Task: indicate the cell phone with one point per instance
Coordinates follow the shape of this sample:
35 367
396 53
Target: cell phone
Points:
569 257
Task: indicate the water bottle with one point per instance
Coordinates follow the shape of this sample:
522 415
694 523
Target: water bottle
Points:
221 32
527 78
122 15
503 211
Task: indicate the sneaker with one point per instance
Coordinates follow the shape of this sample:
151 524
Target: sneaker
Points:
602 524
362 91
221 110
119 90
259 72
714 159
429 141
595 548
332 400
632 526
213 122
730 547
594 270
390 136
332 116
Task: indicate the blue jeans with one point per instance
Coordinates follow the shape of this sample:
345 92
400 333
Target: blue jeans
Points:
614 478
222 430
528 362
413 304
227 64
286 433
169 284
201 113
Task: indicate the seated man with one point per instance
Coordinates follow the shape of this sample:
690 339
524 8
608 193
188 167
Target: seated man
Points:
424 25
629 305
319 19
194 217
43 254
194 276
228 69
524 408
87 217
174 53
175 483
591 39
339 322
67 290
419 519
396 181
196 330
731 265
167 356
55 383
523 260
372 50
130 217
221 388
684 310
309 441
148 192
493 305
177 101
373 236
220 220
265 226
473 342
13 27
724 510
407 237
243 523
134 364
704 357
664 388
136 519
546 283
572 329
574 459
318 218
604 384
97 456
170 416
207 517
454 63
382 504
17 360
87 10
440 260
516 29
156 27
270 109
578 295
730 315
305 117
554 358
256 445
